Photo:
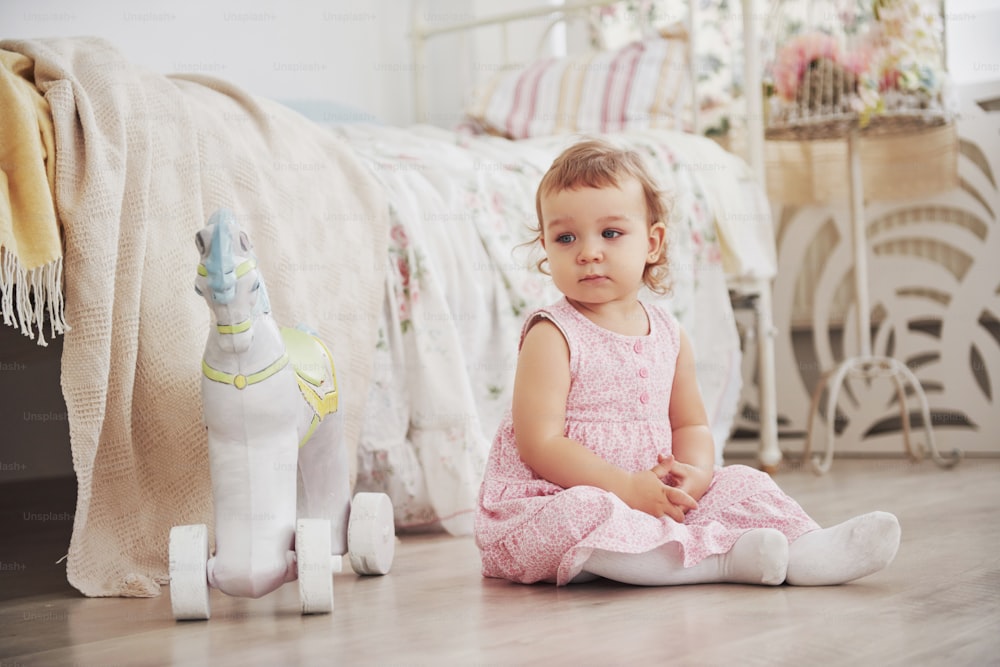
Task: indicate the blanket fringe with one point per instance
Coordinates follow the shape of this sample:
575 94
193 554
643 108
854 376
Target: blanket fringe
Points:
30 296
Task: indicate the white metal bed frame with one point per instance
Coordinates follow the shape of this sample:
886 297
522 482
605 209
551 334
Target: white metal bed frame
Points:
756 288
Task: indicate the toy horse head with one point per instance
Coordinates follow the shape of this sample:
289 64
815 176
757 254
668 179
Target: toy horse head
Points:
229 280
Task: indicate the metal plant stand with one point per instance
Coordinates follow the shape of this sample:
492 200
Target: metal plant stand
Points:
867 366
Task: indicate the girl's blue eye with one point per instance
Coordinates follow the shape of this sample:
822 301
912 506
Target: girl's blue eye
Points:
611 233
564 238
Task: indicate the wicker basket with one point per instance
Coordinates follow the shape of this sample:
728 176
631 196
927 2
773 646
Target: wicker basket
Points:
897 166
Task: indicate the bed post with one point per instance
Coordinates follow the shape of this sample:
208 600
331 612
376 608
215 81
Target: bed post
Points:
753 77
692 59
769 453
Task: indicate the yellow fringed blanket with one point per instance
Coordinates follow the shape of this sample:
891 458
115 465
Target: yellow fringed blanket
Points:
30 247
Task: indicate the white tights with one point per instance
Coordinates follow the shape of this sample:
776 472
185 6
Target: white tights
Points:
850 550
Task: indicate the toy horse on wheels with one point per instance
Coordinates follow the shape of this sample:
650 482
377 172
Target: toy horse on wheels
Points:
280 476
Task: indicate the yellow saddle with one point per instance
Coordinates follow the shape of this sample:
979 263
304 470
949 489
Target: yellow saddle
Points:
310 358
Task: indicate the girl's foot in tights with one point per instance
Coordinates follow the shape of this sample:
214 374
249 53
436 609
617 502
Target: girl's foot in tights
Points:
845 552
760 556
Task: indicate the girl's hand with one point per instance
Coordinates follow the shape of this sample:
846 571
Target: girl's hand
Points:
691 479
647 492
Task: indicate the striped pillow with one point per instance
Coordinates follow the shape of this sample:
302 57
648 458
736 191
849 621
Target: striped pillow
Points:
642 85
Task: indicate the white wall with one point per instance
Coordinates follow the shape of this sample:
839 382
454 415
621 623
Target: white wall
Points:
353 52
350 51
972 28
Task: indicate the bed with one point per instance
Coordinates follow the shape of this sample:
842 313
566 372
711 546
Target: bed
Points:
399 245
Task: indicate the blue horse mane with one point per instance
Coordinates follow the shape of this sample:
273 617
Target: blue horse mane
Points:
221 267
220 264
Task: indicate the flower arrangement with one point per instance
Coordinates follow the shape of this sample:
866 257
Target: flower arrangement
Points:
897 63
909 57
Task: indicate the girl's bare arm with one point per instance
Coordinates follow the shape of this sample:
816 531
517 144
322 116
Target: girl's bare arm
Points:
693 446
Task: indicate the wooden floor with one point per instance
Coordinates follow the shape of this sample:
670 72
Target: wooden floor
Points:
938 604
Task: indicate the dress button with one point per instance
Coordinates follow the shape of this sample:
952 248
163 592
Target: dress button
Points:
644 372
644 397
637 347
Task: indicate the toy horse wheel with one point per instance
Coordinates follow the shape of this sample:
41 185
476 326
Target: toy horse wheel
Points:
188 573
371 533
312 551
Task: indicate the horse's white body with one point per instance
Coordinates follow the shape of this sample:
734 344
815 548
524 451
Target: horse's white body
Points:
257 416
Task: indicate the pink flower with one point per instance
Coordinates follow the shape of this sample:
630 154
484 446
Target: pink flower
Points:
404 270
794 58
858 60
398 235
715 255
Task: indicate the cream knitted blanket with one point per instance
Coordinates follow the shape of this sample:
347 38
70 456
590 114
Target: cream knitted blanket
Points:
142 160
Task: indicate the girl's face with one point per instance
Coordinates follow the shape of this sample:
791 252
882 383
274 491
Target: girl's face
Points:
598 241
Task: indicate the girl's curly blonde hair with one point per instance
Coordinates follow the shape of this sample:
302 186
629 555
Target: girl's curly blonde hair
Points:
595 163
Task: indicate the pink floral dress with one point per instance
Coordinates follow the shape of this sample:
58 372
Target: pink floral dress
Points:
528 529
